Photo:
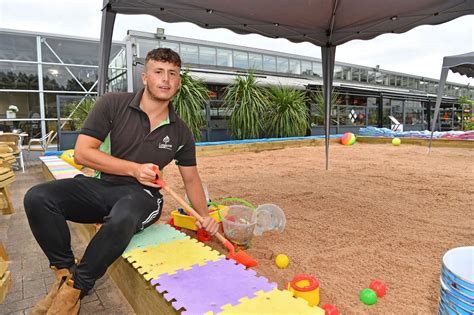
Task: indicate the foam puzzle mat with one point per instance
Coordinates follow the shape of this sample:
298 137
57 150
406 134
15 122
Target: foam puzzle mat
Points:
192 276
154 261
209 287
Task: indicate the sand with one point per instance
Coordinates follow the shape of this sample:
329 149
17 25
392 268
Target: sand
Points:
380 212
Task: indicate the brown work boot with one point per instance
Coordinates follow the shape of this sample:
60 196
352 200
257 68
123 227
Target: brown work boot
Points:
67 301
44 304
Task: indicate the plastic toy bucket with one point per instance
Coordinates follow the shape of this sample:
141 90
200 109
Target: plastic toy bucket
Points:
457 282
306 287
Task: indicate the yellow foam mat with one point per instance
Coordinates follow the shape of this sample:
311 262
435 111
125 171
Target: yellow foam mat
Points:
153 261
272 302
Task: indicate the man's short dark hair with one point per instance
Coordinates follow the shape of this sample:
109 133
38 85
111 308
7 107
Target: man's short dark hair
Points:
164 55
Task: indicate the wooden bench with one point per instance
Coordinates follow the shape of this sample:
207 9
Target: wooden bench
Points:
6 178
164 271
6 155
5 276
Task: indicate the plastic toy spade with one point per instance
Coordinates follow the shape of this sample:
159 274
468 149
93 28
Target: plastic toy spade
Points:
241 257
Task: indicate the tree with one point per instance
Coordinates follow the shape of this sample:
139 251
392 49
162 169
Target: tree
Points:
288 112
189 103
247 104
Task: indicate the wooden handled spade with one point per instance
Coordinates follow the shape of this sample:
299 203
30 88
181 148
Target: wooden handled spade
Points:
241 257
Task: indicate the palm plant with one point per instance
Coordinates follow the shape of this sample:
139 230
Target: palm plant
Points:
318 98
288 112
189 103
247 103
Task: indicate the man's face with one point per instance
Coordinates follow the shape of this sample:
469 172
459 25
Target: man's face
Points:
161 79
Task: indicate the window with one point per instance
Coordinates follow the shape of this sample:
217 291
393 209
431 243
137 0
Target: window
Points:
306 68
189 53
413 112
412 83
171 45
18 47
371 77
295 66
404 82
143 47
255 61
379 77
346 72
241 59
355 74
57 77
224 58
364 75
282 64
27 103
373 111
399 80
269 63
351 115
18 76
73 51
338 72
397 109
207 55
318 69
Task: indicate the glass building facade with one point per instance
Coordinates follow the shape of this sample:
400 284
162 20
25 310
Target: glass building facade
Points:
41 73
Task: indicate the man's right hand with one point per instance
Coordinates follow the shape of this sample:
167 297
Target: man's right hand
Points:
145 175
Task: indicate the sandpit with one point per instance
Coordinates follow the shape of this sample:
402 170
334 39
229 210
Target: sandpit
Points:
380 212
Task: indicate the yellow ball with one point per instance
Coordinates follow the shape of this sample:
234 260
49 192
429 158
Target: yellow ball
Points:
282 261
396 141
68 157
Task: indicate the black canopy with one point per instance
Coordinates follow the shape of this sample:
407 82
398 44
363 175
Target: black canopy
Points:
326 23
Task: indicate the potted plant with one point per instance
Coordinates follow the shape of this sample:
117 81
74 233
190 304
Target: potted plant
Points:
11 111
288 113
317 110
247 104
189 103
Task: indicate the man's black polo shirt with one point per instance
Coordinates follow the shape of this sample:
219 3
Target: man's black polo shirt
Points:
117 120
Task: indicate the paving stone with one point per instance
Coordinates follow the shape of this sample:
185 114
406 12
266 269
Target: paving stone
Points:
34 288
31 276
90 297
18 305
13 297
92 307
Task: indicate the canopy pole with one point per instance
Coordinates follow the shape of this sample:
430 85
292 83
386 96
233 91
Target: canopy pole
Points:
442 81
328 53
106 31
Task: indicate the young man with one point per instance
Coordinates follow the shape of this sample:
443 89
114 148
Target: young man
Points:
141 131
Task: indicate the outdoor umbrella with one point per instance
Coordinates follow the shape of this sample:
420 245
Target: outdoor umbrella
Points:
323 23
462 64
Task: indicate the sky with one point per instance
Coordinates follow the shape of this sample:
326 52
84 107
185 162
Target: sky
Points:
418 52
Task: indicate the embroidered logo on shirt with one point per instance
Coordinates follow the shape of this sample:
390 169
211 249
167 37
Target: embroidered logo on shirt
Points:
165 144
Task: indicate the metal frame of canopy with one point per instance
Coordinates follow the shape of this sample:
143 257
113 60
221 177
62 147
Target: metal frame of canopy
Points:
462 64
324 23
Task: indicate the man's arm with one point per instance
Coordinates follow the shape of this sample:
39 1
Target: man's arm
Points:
87 153
195 192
